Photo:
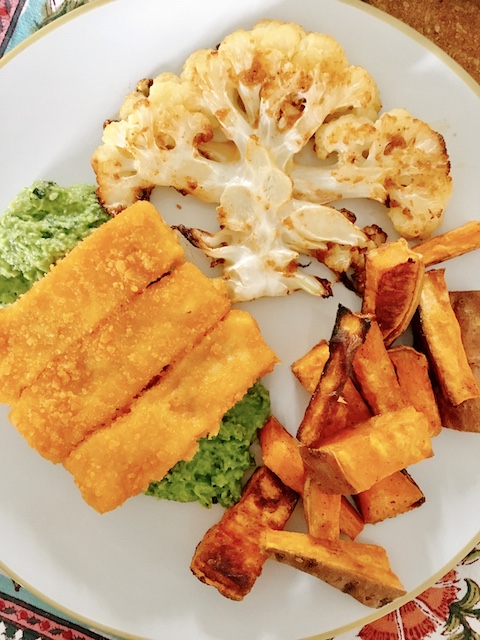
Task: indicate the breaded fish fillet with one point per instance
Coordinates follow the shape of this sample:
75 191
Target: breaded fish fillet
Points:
109 267
166 421
101 374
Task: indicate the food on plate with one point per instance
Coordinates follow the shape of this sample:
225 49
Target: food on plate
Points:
438 332
375 375
309 368
281 453
136 248
413 375
95 379
229 556
466 415
216 472
322 511
389 442
450 244
164 423
273 126
361 570
393 282
42 223
325 414
388 498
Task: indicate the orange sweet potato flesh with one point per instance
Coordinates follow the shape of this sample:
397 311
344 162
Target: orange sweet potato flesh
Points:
451 244
322 511
388 498
389 442
412 371
375 374
308 370
439 333
326 411
361 570
466 415
165 421
393 282
118 260
85 387
229 556
281 453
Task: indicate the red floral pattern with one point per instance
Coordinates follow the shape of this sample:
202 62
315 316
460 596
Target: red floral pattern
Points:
9 13
44 626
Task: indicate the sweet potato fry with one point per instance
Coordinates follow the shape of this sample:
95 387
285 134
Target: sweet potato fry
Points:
322 511
308 370
108 268
389 442
451 244
412 371
97 378
465 416
351 522
326 411
229 556
280 452
375 375
438 331
165 421
361 570
388 498
393 282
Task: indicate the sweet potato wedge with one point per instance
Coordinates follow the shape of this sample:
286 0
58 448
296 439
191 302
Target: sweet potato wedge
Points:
439 333
466 415
375 374
389 442
229 556
322 511
393 282
326 410
361 570
281 453
308 370
309 367
451 244
351 521
388 498
412 371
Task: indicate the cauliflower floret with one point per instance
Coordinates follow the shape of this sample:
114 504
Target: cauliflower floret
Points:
398 160
231 128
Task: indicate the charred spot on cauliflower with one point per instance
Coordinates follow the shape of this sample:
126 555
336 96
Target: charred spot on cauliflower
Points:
231 130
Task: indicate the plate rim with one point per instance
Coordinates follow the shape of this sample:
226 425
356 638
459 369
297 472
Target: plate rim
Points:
467 79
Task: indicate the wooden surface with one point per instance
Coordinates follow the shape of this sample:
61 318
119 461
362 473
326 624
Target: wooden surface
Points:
453 25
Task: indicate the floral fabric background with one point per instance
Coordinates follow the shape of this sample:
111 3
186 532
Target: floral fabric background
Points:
449 610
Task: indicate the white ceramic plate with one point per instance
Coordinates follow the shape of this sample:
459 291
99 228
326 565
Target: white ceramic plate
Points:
129 570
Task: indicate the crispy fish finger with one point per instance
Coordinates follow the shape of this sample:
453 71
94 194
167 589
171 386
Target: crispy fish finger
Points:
86 386
166 421
114 263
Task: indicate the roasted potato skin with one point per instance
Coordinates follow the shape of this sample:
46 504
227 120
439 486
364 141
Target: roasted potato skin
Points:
229 556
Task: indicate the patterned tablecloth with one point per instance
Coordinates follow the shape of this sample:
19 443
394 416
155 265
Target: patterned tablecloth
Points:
449 610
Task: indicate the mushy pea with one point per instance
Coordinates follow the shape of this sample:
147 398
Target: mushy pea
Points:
40 226
216 471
